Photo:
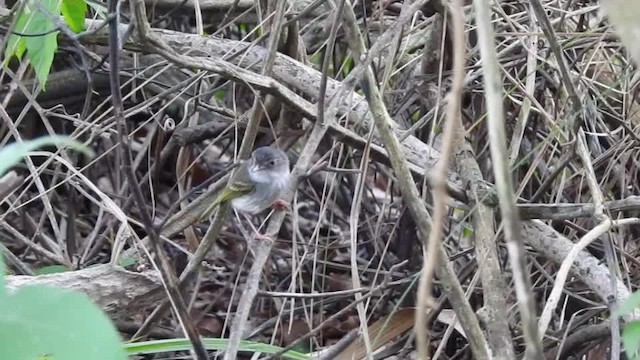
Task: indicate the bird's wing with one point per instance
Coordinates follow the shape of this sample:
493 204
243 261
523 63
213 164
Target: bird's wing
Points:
239 186
234 190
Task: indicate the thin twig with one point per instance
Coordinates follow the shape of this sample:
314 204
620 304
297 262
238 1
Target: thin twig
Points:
556 49
354 216
561 276
439 179
328 55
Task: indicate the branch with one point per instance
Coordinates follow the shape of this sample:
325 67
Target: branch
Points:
450 140
120 293
555 247
561 277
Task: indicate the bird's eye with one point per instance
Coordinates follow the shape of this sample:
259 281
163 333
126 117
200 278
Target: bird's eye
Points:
272 163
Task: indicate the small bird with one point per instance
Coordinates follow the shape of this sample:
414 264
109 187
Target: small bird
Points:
257 184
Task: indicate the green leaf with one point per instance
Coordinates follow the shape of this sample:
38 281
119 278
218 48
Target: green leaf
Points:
303 347
22 48
348 66
36 20
316 59
74 12
51 269
11 154
40 322
41 49
630 304
127 261
171 345
219 94
458 212
631 339
467 232
16 44
3 291
415 116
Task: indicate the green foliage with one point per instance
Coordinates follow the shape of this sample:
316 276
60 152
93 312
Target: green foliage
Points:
35 19
3 289
39 322
316 59
74 12
220 95
11 154
467 231
631 332
126 261
630 304
170 345
631 339
51 269
415 116
348 66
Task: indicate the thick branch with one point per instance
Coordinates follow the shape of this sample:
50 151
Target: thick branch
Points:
120 293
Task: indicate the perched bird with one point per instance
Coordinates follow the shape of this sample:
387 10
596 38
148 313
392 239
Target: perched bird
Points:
257 184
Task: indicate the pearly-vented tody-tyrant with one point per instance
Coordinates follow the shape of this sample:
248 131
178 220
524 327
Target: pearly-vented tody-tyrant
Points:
258 183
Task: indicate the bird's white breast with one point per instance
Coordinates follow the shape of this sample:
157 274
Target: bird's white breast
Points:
267 191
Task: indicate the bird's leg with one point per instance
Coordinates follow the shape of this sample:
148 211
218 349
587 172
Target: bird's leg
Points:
257 234
281 204
262 237
245 233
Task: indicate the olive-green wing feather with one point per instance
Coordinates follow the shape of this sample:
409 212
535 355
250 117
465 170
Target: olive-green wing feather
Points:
233 191
241 185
